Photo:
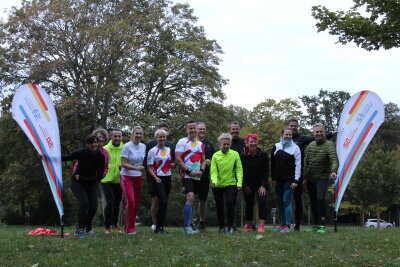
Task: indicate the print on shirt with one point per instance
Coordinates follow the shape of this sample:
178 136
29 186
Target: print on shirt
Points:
161 159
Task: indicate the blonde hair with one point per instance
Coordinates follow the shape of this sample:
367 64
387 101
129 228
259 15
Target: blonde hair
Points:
225 136
160 131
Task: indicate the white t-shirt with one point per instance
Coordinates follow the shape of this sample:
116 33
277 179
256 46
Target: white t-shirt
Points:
135 155
192 151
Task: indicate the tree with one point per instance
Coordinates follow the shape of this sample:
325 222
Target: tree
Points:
379 28
388 131
110 63
324 108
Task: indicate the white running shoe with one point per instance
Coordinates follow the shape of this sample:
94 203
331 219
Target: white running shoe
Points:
153 227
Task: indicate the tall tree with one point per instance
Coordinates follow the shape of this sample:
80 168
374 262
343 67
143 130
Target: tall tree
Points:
377 27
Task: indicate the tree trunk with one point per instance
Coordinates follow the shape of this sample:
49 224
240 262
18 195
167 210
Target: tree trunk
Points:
378 214
362 216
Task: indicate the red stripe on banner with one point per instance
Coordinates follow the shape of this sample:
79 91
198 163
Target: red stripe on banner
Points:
356 102
352 158
47 164
40 96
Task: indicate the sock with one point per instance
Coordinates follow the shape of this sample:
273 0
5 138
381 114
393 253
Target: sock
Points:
187 214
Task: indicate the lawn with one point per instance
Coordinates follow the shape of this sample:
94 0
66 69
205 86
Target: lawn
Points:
348 247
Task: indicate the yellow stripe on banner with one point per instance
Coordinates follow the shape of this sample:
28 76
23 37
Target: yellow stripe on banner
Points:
39 102
358 106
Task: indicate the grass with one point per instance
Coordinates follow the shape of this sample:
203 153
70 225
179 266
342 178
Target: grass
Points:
348 247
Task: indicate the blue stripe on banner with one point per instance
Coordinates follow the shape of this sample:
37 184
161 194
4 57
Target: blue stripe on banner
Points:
44 150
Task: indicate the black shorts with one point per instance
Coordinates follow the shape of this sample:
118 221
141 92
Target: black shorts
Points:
151 185
191 185
204 187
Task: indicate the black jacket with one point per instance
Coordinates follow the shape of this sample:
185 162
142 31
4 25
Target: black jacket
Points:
238 145
90 164
255 169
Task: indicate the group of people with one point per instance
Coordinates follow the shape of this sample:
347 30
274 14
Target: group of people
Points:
239 165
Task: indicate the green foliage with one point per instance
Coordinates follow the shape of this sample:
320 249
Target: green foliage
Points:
378 27
348 247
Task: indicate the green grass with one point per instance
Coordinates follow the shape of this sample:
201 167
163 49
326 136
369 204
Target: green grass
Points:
348 247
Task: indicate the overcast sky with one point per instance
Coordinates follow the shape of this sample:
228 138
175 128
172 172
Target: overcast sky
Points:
272 50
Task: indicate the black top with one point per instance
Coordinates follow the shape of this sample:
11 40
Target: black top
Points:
90 164
238 145
209 152
255 169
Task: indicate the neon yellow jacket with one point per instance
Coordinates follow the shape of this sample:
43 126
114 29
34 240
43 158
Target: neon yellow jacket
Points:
114 163
226 169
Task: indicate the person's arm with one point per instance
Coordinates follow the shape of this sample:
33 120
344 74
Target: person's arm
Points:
265 172
106 159
297 162
72 156
333 159
126 165
214 171
99 171
239 172
273 175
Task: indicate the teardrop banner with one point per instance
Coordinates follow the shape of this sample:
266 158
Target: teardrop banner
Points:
361 117
34 111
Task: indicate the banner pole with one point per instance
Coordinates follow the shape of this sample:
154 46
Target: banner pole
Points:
62 227
335 220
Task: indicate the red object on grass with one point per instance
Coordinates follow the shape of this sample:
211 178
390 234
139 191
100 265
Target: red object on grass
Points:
42 231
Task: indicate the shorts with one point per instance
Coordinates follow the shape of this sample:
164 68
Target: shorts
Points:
191 185
204 187
151 185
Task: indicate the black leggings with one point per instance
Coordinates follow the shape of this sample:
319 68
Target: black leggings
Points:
113 195
162 191
317 191
87 197
262 204
230 193
298 203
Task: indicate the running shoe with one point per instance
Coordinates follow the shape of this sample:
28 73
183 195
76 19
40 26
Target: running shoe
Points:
202 226
108 230
131 233
247 228
90 232
315 228
279 228
260 228
297 227
153 227
285 229
222 230
189 230
80 233
231 230
321 229
160 231
116 229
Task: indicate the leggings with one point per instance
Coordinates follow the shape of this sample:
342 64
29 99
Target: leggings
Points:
262 204
112 194
230 193
162 191
87 198
317 191
131 186
284 194
298 203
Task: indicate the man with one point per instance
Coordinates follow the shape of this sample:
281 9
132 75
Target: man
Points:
189 154
150 180
205 178
237 142
111 184
301 140
320 164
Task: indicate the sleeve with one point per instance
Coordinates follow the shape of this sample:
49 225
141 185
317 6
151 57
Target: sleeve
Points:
150 157
180 146
306 159
273 175
308 139
125 152
172 147
214 170
99 172
265 171
106 159
333 157
239 171
244 168
297 159
329 136
72 156
203 149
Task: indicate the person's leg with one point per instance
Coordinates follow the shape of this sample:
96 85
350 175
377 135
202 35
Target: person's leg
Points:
109 201
203 194
312 192
129 202
117 193
188 207
151 184
91 191
298 205
249 204
287 203
322 187
80 193
137 187
161 190
262 209
279 195
219 203
231 194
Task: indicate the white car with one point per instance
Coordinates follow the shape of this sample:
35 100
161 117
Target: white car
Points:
373 223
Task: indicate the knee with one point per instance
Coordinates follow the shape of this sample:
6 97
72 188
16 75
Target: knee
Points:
190 198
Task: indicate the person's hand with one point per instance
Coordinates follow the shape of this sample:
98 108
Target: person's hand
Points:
333 176
293 185
262 191
335 132
139 168
158 180
208 162
305 183
273 183
77 177
239 188
212 185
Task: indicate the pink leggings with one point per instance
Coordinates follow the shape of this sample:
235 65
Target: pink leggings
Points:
131 186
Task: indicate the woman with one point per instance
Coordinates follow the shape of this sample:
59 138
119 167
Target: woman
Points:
132 157
85 180
285 173
255 181
226 179
159 161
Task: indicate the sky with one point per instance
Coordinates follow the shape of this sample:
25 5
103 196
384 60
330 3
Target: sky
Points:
272 50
